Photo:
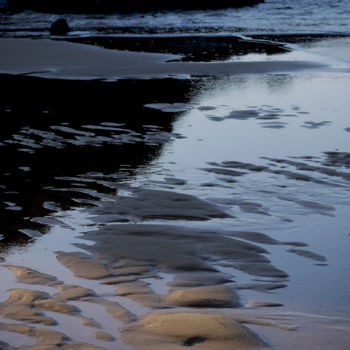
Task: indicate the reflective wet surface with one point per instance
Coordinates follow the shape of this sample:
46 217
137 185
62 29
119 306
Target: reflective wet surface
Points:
57 129
236 181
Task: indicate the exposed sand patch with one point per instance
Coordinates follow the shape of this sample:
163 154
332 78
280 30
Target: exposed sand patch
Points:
71 292
261 269
155 204
26 314
174 330
171 107
119 279
114 309
56 306
223 171
137 287
20 306
46 339
146 242
81 265
212 296
256 237
26 296
307 254
103 336
89 322
48 58
199 278
44 336
261 287
140 292
179 248
124 271
167 330
257 303
27 305
29 276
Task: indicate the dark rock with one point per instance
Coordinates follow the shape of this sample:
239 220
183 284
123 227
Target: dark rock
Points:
59 27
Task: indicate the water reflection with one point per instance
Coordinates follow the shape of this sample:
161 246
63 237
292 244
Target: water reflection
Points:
281 179
246 194
53 130
232 147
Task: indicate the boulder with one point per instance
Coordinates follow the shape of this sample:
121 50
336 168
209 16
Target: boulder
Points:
179 329
209 296
59 27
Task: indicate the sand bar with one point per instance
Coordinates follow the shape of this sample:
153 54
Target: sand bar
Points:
53 59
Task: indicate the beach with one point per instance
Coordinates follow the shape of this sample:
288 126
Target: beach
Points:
171 191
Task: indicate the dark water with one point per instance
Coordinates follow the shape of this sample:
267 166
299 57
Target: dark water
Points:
272 16
56 129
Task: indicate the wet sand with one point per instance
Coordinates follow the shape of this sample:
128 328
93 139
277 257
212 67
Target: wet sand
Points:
50 59
180 218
